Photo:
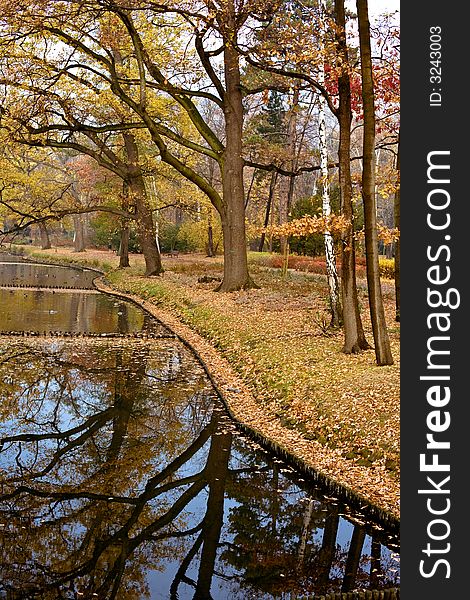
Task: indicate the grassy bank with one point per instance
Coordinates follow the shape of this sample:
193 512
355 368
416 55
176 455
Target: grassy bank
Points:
277 341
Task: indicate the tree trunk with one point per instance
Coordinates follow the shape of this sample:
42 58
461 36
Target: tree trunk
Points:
145 228
383 353
210 237
45 239
79 234
304 535
144 218
124 245
396 210
236 276
354 338
354 557
272 187
216 473
331 271
250 188
327 551
124 241
286 199
375 563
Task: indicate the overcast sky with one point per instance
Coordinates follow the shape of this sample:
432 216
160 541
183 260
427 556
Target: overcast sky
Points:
378 6
381 6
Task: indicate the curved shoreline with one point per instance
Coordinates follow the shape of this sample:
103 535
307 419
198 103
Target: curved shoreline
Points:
323 465
367 488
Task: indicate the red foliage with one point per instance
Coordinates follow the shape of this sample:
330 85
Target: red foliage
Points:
308 264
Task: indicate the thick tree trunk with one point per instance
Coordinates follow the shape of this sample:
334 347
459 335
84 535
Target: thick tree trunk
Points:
124 246
145 228
383 353
216 473
45 239
79 244
328 549
236 274
354 338
144 219
354 557
396 211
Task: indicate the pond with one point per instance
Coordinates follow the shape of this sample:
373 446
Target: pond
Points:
123 477
87 312
15 272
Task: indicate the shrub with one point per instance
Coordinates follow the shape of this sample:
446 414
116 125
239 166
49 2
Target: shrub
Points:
387 268
317 264
107 232
189 236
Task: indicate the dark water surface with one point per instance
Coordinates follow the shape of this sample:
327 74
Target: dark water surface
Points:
16 272
71 311
121 476
50 298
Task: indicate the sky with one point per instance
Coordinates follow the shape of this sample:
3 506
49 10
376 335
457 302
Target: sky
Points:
378 6
384 5
381 6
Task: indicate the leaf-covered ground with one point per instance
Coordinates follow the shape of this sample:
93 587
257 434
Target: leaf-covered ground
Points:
338 412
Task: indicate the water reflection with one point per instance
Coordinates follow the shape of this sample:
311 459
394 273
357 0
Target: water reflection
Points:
121 477
24 274
72 311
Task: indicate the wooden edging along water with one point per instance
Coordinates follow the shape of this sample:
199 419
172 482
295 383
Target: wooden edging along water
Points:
355 500
342 491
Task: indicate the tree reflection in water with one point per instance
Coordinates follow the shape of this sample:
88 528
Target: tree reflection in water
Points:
121 477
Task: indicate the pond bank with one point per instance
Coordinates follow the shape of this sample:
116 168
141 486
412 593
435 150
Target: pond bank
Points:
318 461
275 380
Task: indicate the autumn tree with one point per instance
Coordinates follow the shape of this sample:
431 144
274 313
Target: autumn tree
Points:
283 52
353 330
34 185
330 259
379 327
397 243
59 108
155 74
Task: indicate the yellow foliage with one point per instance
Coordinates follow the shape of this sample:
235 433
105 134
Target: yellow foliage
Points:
387 268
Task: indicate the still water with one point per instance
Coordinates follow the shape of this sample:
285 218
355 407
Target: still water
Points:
121 476
20 273
46 311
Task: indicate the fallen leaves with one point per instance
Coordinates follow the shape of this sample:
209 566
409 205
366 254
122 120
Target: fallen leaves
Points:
296 389
282 377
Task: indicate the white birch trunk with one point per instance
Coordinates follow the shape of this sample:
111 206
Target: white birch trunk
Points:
152 189
332 274
305 534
